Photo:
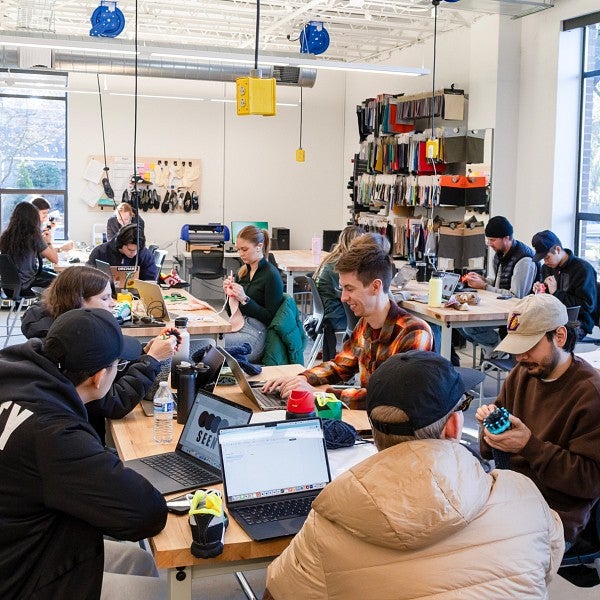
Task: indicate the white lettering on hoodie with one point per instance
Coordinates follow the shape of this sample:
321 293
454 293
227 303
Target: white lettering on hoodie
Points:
15 418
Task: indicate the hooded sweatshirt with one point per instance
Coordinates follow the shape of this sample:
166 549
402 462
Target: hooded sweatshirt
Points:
60 490
422 520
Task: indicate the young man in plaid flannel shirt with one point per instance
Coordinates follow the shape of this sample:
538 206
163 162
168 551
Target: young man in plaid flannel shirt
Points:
383 329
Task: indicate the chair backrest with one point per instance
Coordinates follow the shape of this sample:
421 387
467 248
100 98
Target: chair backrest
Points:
207 262
9 277
159 257
572 313
318 309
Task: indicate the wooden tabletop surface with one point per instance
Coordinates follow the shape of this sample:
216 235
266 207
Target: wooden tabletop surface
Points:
297 260
133 438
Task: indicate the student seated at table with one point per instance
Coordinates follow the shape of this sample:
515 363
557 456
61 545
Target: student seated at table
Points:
328 284
86 287
22 240
421 518
61 491
254 294
383 329
124 215
123 249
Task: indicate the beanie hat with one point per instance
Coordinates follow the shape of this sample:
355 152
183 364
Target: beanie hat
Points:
498 227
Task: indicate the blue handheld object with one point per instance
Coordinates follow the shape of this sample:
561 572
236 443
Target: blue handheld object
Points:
498 421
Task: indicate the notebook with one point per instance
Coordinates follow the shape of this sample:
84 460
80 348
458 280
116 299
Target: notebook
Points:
449 283
152 299
120 274
196 461
271 474
262 400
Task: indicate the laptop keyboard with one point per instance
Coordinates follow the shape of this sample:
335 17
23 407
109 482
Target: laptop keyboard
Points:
182 471
276 511
269 400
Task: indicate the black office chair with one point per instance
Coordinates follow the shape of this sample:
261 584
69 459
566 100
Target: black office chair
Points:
581 563
314 323
159 258
12 289
207 264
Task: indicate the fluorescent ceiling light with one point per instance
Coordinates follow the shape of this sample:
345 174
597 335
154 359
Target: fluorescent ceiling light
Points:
91 48
154 96
336 65
226 100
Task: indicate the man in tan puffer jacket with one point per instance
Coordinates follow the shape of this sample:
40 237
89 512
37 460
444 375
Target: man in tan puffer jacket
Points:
421 519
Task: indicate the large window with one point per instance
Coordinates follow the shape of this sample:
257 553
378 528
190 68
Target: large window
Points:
588 213
33 133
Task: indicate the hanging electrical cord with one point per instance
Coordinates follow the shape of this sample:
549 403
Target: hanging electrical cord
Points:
257 33
300 154
105 180
435 14
136 202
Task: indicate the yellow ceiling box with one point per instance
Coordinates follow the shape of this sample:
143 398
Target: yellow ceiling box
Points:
300 155
255 96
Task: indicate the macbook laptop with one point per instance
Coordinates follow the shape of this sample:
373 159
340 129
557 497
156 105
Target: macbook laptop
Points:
195 462
272 472
449 283
212 358
120 274
262 400
152 298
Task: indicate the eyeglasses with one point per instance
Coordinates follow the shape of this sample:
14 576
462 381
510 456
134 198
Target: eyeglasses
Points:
121 365
464 405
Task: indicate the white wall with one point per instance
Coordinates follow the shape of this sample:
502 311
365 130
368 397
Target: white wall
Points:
249 169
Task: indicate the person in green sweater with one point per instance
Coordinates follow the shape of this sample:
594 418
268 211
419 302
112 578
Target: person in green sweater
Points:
328 284
554 401
256 292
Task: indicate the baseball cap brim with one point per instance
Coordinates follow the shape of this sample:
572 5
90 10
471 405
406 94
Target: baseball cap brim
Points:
132 348
471 378
514 343
539 255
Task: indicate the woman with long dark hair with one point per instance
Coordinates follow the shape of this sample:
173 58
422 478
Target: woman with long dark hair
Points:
88 287
22 240
257 290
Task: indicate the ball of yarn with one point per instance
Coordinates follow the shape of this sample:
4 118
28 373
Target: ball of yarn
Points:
338 434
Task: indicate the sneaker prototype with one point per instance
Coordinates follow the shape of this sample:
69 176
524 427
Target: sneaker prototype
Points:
208 522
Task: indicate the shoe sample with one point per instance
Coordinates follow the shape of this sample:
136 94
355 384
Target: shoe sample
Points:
208 523
155 200
125 196
180 200
107 188
195 201
187 202
164 207
173 200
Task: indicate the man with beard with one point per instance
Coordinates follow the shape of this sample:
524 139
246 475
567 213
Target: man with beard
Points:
554 401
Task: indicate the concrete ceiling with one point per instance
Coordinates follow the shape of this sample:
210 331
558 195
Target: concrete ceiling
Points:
359 30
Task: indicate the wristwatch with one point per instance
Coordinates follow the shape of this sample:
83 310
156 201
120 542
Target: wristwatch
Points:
245 300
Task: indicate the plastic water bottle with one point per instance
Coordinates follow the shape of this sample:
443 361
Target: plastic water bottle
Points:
316 246
164 407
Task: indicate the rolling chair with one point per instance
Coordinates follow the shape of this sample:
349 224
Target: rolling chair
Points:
584 553
12 289
159 258
313 324
207 264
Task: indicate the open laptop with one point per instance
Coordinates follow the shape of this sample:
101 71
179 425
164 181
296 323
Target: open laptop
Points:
213 359
262 400
271 473
449 283
152 298
196 461
120 274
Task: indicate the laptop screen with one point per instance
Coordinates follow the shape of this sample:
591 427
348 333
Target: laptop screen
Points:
272 459
449 282
207 416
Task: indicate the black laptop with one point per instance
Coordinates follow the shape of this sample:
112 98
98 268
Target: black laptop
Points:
272 472
196 462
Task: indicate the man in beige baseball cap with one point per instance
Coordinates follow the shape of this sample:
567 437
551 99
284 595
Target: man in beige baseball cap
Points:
553 397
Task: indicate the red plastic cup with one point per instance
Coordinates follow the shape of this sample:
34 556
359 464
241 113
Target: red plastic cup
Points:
300 404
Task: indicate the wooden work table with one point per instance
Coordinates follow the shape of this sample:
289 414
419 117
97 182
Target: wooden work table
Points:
171 548
490 312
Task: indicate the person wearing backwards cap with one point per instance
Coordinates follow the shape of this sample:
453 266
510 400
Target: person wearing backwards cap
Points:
554 399
421 518
514 274
60 490
570 279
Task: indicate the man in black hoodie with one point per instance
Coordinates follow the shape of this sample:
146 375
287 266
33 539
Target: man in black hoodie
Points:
60 490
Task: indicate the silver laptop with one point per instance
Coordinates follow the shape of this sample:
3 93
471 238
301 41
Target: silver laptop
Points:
262 400
449 283
196 461
152 299
271 497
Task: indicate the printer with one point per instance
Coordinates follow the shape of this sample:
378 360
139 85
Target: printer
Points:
213 234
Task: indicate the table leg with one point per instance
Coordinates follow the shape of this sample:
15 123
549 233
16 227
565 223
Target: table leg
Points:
446 344
289 283
180 583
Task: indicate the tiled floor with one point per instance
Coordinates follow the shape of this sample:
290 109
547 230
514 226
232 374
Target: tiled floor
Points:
225 587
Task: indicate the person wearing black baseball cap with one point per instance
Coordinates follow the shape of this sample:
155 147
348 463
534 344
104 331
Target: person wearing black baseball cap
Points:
570 279
515 270
61 491
405 522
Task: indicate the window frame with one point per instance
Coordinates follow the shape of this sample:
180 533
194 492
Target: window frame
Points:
45 191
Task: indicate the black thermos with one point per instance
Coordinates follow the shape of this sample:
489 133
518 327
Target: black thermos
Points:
186 390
